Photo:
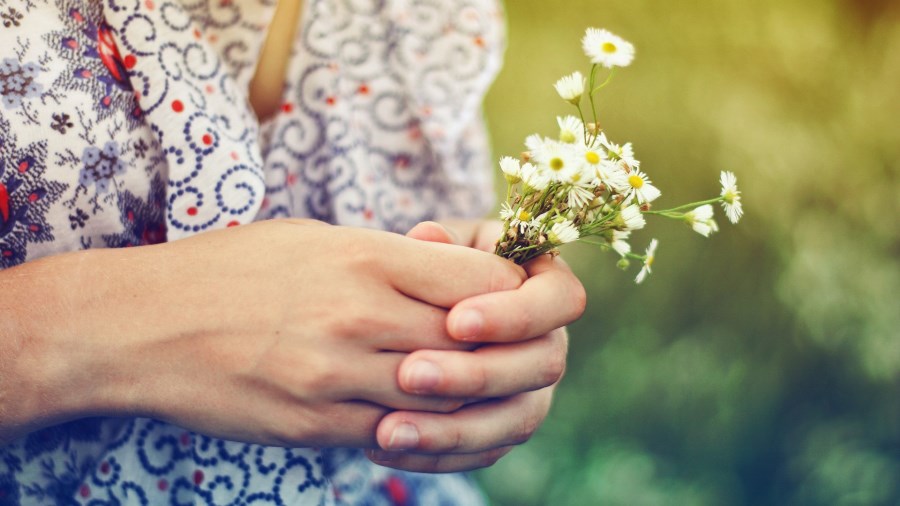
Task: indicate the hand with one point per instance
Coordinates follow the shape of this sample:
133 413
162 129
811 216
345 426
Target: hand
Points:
285 333
513 378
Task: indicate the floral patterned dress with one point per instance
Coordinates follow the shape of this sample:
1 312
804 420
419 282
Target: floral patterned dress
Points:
126 123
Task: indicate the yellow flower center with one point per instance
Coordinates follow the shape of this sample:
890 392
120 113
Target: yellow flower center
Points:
609 47
524 215
567 136
635 181
557 164
649 260
592 158
730 196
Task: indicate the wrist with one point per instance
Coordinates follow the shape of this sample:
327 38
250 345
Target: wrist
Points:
61 360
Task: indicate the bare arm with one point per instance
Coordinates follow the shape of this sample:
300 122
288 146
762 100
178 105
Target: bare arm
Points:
270 333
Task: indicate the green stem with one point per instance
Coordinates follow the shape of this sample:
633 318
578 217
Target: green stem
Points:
634 256
612 72
593 107
586 135
686 206
547 192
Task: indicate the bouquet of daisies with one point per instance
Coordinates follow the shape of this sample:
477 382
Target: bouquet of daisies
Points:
582 185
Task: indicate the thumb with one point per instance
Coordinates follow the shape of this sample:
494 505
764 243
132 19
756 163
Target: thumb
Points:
431 231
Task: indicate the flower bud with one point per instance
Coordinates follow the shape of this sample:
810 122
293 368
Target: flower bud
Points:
571 88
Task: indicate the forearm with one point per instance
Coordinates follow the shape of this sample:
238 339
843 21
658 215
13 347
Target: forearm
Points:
55 365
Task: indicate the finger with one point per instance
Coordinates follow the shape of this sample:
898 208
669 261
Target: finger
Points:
497 370
479 234
487 235
472 429
349 424
371 379
552 297
444 274
431 231
396 322
437 463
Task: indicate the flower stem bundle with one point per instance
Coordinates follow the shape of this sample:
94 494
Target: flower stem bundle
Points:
582 186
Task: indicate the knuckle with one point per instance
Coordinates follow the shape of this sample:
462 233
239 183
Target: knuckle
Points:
359 254
579 299
450 405
524 322
477 380
490 457
430 464
319 376
527 426
554 368
505 275
555 364
444 405
455 442
365 321
292 429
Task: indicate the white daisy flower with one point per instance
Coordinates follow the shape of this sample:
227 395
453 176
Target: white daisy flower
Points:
534 177
631 218
701 220
559 160
520 219
649 257
571 129
571 88
611 174
579 196
511 169
538 222
591 159
562 233
642 188
732 203
607 49
624 152
584 174
619 242
506 211
517 217
591 156
535 143
601 140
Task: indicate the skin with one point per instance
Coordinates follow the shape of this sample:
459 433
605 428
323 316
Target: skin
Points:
524 344
266 87
295 333
237 334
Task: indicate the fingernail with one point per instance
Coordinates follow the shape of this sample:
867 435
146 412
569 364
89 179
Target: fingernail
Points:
468 324
404 437
422 376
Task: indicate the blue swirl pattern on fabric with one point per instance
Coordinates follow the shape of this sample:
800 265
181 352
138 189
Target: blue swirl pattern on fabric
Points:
126 123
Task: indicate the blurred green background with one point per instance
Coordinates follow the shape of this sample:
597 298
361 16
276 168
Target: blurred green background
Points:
760 366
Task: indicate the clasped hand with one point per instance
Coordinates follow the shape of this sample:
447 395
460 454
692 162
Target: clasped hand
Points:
508 378
437 357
